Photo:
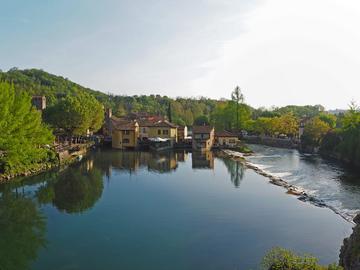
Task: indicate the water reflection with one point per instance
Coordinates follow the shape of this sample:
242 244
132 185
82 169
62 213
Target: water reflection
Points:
22 232
79 188
131 161
203 160
74 190
235 169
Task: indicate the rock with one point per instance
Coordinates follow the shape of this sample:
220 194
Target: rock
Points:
350 251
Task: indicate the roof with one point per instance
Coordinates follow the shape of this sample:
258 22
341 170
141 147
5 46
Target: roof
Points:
122 124
225 134
202 129
145 123
164 123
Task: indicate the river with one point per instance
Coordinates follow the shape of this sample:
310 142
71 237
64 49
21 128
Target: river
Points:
171 210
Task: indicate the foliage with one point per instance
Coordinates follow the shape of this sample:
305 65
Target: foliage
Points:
23 135
201 120
285 124
22 232
75 115
230 115
330 119
282 259
314 132
39 82
345 142
238 98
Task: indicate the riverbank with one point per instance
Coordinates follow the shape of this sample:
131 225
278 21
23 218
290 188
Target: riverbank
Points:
271 141
64 157
301 192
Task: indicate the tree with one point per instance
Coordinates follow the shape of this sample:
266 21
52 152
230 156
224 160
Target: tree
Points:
238 98
314 132
330 119
23 135
288 124
201 120
282 259
75 115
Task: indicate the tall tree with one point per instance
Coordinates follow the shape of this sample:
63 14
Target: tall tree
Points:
23 135
75 115
238 98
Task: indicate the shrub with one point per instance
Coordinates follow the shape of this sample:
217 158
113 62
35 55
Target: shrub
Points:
282 259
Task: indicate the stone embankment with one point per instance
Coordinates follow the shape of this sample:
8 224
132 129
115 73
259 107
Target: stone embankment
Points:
291 189
65 156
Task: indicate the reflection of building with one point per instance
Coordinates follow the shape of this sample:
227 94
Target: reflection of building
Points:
39 102
182 156
124 134
162 162
226 139
202 138
203 160
127 160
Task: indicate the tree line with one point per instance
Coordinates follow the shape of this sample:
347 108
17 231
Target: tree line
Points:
74 110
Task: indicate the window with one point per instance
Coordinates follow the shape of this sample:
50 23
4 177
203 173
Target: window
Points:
125 141
144 130
126 132
197 136
232 141
165 132
159 131
205 136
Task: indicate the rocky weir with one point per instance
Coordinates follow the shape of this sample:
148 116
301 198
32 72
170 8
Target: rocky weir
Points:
301 193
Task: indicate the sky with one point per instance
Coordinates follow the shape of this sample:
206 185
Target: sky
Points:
279 52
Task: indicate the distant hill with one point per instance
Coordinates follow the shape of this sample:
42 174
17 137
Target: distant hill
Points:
39 82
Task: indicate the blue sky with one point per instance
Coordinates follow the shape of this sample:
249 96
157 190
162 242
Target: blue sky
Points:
279 51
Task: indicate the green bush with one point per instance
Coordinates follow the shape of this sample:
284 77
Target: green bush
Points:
282 259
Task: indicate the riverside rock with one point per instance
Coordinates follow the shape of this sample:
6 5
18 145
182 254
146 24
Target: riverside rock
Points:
350 251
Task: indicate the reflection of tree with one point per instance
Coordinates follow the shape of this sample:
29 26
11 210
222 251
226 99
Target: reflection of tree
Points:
75 190
236 171
22 231
78 190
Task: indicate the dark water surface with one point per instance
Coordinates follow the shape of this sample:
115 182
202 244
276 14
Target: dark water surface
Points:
137 210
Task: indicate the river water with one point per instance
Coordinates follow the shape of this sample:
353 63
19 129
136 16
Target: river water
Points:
337 187
171 210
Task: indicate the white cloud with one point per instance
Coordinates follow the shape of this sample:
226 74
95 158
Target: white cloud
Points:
293 52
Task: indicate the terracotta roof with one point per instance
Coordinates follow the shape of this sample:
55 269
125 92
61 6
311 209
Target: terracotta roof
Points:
145 123
164 123
202 129
224 134
123 124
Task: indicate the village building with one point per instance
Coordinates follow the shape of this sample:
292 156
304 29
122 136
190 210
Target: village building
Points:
144 126
203 138
226 139
125 134
164 130
39 102
182 133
